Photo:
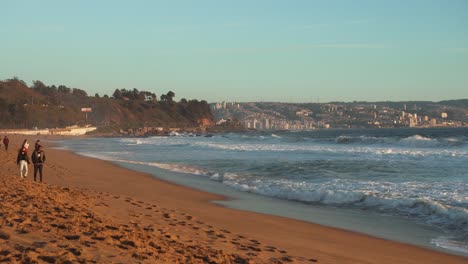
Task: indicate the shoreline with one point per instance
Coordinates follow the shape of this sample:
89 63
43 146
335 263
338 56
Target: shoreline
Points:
363 222
301 241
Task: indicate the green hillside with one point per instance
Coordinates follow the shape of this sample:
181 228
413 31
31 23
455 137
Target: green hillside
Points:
52 106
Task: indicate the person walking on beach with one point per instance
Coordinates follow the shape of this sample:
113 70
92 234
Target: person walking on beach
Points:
23 160
38 158
6 141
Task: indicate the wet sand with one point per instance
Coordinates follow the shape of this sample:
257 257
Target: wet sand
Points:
88 210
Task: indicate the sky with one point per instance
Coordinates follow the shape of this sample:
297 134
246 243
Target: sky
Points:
242 50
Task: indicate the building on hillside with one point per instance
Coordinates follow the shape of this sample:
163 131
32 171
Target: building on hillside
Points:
304 112
266 123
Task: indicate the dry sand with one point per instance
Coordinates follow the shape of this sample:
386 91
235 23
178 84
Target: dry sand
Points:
90 210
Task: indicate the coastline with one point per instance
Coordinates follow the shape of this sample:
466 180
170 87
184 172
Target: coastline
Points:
277 238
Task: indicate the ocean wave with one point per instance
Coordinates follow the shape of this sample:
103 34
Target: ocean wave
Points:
415 141
358 139
170 167
318 148
420 141
455 243
134 142
423 210
107 155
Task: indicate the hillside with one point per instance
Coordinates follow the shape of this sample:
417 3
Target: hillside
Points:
44 106
304 116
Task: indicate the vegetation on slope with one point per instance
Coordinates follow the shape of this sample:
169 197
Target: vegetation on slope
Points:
45 106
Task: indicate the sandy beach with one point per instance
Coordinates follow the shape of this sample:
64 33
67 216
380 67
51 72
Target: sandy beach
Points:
92 211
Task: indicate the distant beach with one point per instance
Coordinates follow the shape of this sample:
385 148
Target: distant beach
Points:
90 210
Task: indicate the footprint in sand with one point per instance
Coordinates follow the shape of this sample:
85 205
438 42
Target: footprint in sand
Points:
117 237
72 237
168 216
255 248
255 242
270 248
88 243
5 253
22 231
112 227
76 251
48 259
4 236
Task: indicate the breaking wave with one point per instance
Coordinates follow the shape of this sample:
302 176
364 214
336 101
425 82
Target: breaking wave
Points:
416 141
423 210
317 148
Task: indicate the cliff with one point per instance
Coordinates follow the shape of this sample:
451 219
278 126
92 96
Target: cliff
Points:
41 106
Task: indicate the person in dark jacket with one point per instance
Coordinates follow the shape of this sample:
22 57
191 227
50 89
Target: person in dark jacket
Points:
23 160
38 158
6 141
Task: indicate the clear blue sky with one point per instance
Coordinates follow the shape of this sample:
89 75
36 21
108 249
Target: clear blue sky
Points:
243 50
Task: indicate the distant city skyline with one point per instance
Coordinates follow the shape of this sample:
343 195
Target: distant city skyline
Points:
244 51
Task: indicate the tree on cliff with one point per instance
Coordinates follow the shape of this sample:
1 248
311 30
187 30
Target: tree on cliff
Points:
168 97
117 94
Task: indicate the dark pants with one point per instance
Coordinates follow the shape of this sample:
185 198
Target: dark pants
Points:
38 168
6 147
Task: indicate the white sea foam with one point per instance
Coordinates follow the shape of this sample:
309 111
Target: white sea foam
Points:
419 141
334 149
131 141
109 156
416 141
451 244
347 194
170 167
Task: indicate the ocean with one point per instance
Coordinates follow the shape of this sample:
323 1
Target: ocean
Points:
408 185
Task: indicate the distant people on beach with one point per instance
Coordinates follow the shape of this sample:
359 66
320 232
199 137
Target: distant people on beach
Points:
38 158
6 141
23 160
